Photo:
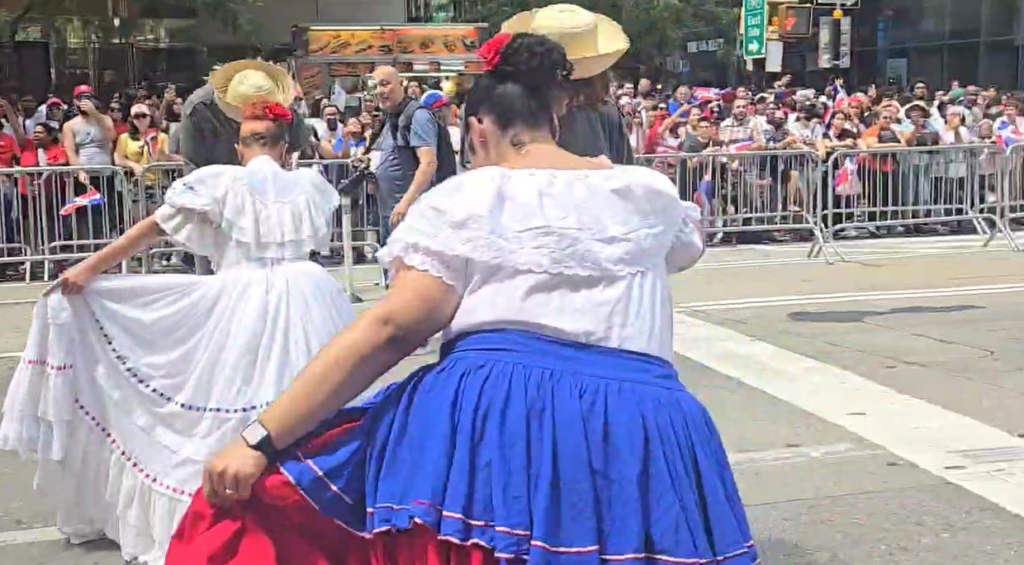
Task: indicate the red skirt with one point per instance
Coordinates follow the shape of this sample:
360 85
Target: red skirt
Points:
278 526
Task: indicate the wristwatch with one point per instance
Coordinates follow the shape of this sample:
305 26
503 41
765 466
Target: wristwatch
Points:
258 438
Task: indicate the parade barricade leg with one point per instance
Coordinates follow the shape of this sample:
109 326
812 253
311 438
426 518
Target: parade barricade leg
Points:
348 254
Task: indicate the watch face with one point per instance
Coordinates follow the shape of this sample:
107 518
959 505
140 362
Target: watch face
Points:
253 433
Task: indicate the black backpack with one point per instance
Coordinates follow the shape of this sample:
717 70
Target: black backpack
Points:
446 162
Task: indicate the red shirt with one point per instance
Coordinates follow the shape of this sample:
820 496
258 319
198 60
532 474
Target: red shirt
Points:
8 150
55 155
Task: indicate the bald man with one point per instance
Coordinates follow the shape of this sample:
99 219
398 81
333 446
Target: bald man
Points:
408 160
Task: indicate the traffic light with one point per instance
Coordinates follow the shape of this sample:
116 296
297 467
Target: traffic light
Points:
795 20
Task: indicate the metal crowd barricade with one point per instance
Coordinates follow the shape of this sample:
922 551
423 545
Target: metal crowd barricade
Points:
146 195
769 195
913 189
41 224
354 224
1011 191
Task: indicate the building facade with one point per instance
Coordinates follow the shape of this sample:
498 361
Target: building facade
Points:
970 41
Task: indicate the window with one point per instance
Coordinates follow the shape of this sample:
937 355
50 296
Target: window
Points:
917 21
1000 17
964 20
926 63
962 63
999 64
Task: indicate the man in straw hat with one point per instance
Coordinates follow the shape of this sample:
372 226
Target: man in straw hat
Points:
593 125
212 115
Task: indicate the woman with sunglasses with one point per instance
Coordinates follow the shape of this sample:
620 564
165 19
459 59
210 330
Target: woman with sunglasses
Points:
142 145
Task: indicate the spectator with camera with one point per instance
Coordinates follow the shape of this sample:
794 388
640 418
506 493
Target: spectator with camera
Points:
89 142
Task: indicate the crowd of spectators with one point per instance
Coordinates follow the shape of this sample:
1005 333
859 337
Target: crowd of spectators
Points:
676 131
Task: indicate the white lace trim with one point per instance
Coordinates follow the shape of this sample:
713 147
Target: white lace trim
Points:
449 269
557 222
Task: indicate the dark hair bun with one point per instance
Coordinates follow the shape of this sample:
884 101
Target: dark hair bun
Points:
533 61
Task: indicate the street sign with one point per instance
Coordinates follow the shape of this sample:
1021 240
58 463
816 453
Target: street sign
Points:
754 27
825 42
845 36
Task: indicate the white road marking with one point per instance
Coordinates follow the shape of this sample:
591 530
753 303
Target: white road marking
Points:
11 355
799 300
30 536
949 445
19 301
791 455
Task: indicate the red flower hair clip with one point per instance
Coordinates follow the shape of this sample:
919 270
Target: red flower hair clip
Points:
490 52
268 111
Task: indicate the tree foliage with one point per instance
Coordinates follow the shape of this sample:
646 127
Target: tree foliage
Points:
656 28
232 16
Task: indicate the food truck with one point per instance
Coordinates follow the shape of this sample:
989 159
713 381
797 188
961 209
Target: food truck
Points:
329 57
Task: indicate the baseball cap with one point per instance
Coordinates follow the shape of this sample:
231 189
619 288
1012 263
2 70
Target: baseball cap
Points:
433 99
82 89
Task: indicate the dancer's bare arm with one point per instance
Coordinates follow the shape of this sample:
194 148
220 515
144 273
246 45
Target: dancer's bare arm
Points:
134 240
416 307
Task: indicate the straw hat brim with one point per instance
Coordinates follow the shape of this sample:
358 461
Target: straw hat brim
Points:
612 44
221 77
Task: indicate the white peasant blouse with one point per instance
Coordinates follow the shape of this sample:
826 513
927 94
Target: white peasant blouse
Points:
581 255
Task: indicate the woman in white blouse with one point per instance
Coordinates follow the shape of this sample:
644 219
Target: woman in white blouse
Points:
554 429
128 384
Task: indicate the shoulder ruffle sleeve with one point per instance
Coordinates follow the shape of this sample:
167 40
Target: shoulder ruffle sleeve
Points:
192 211
557 222
688 244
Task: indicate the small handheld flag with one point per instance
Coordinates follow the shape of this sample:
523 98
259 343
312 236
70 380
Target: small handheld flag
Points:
91 198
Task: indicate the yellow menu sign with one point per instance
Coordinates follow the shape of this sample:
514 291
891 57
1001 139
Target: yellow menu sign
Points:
352 43
436 42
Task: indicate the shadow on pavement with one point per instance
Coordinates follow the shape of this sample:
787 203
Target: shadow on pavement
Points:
859 316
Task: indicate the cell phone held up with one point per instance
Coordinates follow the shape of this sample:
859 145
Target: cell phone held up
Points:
83 98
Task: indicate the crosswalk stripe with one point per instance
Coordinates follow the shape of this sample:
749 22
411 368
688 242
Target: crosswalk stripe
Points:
35 535
980 458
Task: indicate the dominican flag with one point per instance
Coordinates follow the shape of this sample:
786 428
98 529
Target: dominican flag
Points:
705 197
846 182
90 198
1007 135
838 93
705 94
741 146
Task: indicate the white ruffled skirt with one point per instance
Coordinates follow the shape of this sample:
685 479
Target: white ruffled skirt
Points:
124 391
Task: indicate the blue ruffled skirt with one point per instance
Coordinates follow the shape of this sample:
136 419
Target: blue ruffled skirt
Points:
539 448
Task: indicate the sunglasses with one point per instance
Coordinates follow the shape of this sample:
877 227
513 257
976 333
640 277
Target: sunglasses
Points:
140 116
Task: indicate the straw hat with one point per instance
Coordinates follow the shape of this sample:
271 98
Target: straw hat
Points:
239 83
592 42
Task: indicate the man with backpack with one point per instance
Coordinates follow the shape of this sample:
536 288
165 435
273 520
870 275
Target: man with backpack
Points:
413 155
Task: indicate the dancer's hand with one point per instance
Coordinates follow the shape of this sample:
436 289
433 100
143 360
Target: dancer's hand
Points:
75 279
229 476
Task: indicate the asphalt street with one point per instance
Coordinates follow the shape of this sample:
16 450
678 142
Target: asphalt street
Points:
872 409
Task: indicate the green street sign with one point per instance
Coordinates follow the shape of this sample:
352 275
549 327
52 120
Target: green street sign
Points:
754 26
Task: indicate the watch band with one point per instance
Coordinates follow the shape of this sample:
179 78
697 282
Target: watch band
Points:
257 438
266 447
